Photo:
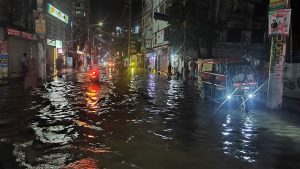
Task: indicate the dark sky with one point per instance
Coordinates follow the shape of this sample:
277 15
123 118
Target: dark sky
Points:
112 10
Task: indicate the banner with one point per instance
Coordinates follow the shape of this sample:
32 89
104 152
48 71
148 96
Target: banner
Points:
279 22
58 14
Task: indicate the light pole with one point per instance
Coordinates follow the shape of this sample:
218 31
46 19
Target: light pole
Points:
91 35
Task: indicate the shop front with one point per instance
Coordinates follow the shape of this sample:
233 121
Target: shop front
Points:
18 43
162 59
151 61
54 51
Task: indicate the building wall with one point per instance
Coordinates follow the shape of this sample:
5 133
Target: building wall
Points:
160 30
16 48
243 32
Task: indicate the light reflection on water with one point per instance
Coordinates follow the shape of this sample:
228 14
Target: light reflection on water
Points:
142 121
238 137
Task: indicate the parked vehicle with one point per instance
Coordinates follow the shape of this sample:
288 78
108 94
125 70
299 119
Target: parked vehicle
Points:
224 79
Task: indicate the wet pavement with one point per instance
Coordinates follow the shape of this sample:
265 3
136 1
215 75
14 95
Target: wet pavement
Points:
138 120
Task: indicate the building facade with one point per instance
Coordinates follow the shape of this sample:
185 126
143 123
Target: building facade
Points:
155 45
58 31
17 35
80 22
244 32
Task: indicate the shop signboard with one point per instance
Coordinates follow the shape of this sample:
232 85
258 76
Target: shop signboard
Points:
3 60
51 42
20 34
279 22
58 14
58 44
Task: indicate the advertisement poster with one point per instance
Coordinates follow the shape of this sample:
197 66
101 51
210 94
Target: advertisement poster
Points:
40 26
278 4
279 22
278 53
3 60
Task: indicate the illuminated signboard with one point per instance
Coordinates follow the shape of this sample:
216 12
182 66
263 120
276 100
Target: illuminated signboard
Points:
51 42
58 44
58 14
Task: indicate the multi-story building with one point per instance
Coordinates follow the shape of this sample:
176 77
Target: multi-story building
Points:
146 33
244 31
155 34
160 35
58 31
80 23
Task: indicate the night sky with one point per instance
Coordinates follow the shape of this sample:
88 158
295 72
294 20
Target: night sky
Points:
112 10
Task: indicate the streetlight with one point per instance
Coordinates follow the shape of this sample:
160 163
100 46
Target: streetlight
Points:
92 46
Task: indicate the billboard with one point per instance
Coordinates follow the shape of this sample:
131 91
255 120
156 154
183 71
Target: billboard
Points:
279 22
58 14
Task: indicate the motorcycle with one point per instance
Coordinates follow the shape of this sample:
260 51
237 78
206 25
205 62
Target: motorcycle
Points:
93 76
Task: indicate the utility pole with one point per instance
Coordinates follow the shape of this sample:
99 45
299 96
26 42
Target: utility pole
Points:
277 53
129 33
41 37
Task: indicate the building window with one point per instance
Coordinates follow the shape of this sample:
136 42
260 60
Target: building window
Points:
235 6
78 13
234 35
166 33
162 8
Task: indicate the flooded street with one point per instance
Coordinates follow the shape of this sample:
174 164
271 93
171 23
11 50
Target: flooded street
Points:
138 120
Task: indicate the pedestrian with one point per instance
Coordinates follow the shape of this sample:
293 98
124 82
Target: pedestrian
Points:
24 63
31 75
59 65
169 69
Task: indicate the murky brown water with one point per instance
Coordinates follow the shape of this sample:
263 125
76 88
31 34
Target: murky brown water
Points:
138 120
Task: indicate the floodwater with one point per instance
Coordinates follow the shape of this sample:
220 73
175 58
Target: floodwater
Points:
138 120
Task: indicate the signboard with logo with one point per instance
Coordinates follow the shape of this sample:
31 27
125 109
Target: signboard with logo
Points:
58 14
279 22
